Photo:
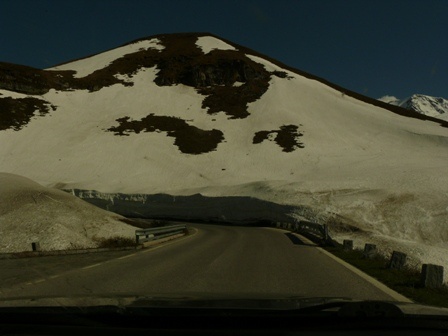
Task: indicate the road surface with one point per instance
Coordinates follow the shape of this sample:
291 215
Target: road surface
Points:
213 260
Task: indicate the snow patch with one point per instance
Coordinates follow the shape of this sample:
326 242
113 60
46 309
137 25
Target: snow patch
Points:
124 77
87 66
269 66
209 43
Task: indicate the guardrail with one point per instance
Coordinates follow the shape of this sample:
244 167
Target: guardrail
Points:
158 232
315 230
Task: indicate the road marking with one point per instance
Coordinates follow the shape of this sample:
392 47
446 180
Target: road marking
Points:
368 278
127 256
373 281
195 231
42 280
91 266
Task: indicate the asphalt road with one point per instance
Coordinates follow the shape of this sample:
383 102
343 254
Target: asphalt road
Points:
213 260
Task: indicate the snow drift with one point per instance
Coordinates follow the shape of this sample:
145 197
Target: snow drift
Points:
30 213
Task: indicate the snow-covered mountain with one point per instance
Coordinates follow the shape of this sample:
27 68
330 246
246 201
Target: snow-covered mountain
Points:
436 107
192 113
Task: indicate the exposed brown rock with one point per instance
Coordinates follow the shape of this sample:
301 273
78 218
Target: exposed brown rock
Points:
212 74
15 113
189 139
286 137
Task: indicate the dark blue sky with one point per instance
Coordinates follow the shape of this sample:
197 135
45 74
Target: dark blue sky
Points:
375 47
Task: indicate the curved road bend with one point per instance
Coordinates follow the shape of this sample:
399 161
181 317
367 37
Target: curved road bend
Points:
216 259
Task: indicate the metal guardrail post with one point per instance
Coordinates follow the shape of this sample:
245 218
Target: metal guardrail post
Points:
369 251
325 232
397 260
432 276
347 245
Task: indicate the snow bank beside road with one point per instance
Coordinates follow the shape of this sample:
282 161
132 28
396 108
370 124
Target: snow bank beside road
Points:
30 212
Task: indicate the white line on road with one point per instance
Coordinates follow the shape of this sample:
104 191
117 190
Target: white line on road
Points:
373 281
112 260
148 250
127 256
376 283
91 266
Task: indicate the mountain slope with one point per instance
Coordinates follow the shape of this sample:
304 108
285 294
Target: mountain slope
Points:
192 113
221 104
436 107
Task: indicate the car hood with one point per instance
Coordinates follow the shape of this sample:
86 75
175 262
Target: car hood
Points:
230 302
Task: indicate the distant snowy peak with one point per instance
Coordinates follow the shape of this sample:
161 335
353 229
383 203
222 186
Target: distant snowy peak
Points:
436 107
427 105
390 100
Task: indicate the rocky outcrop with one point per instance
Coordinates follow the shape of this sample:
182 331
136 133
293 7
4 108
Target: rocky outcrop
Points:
27 80
213 74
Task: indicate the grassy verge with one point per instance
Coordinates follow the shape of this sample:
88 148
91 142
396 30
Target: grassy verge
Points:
405 281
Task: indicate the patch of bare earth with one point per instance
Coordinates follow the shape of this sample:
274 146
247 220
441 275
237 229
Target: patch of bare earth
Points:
189 139
287 137
15 113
